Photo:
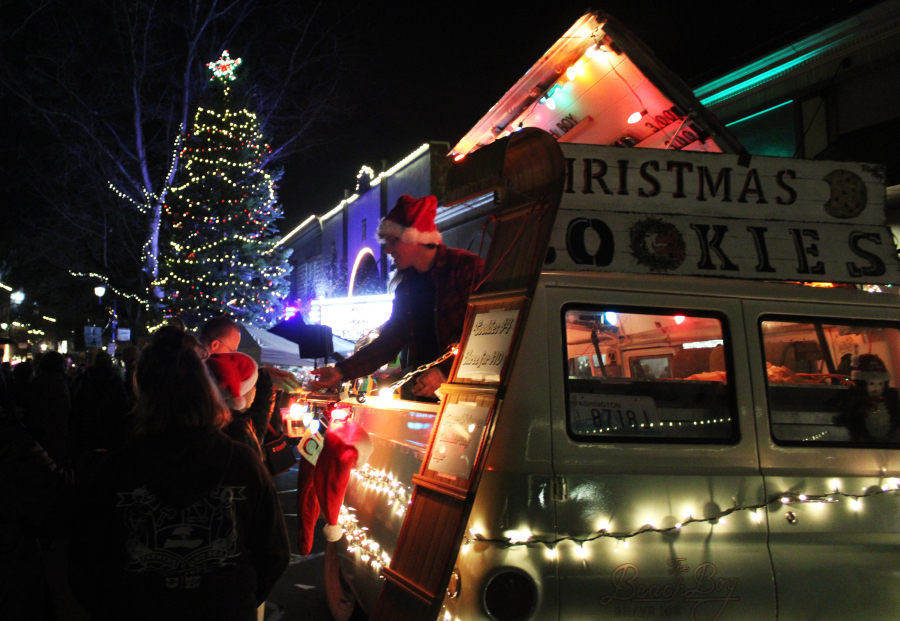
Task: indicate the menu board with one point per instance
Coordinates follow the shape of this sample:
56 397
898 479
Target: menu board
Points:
458 438
487 347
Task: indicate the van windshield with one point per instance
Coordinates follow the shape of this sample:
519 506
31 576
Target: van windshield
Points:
646 375
832 382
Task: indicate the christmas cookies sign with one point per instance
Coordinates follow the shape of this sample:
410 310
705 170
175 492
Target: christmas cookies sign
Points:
714 214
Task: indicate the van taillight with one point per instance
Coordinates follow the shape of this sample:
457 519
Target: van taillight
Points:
510 595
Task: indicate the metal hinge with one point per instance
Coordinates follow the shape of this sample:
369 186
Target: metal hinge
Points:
558 488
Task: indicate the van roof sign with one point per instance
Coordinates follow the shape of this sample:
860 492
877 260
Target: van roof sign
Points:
705 214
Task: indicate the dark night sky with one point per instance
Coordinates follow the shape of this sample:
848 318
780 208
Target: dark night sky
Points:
431 71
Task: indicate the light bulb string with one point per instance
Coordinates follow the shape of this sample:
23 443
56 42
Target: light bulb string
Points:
783 499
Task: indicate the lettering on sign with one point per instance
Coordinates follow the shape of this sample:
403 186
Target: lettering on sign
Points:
700 590
749 249
487 347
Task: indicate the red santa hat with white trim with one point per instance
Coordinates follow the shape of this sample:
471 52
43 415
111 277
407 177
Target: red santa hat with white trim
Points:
236 375
347 446
412 221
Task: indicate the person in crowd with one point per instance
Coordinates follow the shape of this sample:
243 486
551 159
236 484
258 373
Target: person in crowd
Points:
32 493
47 405
221 335
23 374
182 522
129 356
237 374
100 409
430 301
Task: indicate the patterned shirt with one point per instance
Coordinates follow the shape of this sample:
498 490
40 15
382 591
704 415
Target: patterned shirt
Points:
454 272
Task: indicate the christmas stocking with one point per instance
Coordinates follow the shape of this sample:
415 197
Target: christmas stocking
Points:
307 507
347 446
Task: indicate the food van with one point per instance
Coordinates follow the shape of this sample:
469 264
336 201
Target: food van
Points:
652 414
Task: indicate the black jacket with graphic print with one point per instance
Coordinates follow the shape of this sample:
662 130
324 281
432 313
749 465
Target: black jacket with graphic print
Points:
184 525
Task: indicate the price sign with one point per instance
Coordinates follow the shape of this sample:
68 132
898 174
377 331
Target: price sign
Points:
596 414
488 345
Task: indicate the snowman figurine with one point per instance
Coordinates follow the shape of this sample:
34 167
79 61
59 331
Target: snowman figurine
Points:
871 372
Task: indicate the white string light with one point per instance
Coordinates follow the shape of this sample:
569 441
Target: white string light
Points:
755 512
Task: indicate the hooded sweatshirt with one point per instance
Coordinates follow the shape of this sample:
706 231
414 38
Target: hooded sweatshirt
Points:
181 525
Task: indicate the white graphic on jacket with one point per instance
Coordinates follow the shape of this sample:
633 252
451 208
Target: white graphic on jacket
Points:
180 544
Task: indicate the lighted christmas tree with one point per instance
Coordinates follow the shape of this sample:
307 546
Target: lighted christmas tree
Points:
220 254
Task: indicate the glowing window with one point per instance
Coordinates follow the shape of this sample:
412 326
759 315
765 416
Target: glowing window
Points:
646 375
832 382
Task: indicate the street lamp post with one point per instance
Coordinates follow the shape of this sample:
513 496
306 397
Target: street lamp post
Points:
99 290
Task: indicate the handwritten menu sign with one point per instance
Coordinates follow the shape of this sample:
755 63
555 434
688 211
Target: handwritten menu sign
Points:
488 345
458 437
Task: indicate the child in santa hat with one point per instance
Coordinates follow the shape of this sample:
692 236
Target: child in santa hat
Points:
236 375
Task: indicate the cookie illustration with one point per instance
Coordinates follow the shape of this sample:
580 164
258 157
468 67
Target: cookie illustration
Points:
848 194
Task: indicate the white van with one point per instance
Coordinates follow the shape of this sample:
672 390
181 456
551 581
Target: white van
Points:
651 442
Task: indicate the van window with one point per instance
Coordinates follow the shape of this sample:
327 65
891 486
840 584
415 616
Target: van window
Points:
832 382
647 375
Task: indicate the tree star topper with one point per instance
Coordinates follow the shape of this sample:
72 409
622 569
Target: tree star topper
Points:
224 67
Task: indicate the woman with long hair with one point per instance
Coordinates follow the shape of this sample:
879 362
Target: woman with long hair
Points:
182 522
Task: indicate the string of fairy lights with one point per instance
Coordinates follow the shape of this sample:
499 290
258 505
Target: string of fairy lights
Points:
525 538
396 492
105 281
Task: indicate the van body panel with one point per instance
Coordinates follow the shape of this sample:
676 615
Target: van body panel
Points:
717 569
399 433
515 505
827 556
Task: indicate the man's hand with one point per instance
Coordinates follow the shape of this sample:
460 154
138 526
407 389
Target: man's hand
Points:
328 377
428 382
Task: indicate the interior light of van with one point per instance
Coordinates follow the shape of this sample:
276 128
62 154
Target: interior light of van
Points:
611 318
679 319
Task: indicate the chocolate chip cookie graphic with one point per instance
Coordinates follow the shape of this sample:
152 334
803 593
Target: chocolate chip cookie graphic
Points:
848 194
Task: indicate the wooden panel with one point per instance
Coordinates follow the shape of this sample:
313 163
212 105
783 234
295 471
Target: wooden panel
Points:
534 173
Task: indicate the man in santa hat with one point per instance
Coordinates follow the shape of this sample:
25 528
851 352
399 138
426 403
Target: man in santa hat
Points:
429 302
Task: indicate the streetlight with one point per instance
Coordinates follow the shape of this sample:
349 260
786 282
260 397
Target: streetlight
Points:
99 290
17 297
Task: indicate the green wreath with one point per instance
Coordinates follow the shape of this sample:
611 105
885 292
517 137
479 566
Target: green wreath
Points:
668 251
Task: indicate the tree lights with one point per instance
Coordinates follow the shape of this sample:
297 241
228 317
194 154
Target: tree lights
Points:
222 255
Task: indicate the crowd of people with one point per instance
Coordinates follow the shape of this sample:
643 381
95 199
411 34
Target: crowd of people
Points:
159 477
149 473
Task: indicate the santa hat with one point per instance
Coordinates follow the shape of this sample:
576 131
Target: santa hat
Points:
870 368
347 446
412 221
236 374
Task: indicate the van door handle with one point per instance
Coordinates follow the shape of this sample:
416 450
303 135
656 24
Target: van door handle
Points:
558 488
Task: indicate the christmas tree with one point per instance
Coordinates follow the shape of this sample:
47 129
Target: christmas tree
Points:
221 255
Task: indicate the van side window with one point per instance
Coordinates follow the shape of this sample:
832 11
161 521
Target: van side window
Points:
831 382
647 375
